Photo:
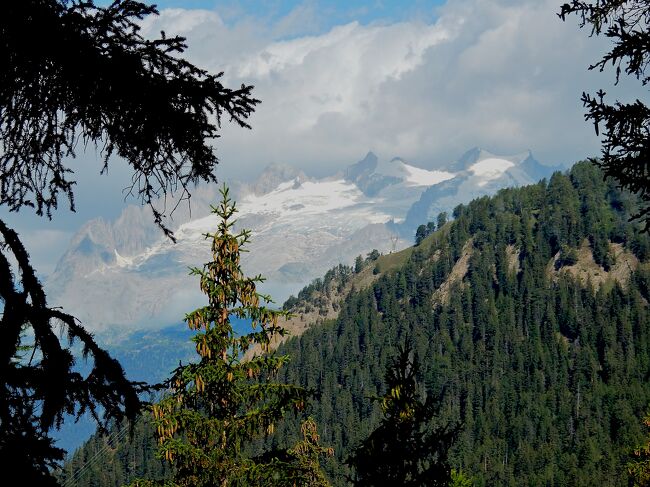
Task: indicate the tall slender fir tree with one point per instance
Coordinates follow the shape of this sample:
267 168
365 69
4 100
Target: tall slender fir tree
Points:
219 405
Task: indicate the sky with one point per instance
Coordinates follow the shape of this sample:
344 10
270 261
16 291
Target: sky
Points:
275 13
422 80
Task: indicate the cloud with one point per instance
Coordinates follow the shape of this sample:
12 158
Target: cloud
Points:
45 246
503 75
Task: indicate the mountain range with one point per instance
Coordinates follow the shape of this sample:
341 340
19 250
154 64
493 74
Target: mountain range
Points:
124 275
528 314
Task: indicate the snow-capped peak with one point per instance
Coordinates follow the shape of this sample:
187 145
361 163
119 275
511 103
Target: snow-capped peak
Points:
476 154
373 176
121 274
489 169
422 177
122 261
411 175
305 197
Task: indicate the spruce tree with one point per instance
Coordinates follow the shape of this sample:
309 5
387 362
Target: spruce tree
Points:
420 234
88 77
218 405
624 127
407 448
303 466
442 219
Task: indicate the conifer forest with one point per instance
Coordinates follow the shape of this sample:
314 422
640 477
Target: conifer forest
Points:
483 322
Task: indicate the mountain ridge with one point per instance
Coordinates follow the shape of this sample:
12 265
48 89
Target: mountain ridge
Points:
479 173
545 371
123 274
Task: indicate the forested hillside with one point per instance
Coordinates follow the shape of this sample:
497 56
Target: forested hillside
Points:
529 313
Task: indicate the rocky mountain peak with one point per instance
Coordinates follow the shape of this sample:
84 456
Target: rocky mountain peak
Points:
272 176
125 274
364 167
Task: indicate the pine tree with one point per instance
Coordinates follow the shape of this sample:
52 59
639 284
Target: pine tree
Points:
459 479
623 127
36 392
358 264
442 219
420 234
89 77
221 403
406 449
304 458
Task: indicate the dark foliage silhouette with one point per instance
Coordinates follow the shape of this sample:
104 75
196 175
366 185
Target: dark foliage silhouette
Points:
38 391
74 73
408 448
97 80
625 126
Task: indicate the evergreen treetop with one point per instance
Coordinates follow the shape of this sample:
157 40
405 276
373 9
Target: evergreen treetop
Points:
219 404
407 448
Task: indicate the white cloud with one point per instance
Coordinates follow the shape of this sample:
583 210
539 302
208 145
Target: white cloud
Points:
500 74
503 75
45 246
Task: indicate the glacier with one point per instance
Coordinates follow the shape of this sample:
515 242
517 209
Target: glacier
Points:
124 275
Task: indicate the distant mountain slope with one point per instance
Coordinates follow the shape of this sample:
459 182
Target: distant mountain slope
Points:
477 173
529 310
372 176
124 275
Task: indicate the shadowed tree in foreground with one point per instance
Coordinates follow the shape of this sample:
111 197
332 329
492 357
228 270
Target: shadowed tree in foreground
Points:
73 73
408 448
639 466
